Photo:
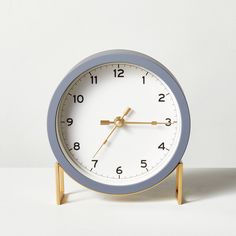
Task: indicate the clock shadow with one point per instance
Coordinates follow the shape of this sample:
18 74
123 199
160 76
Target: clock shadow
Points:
198 184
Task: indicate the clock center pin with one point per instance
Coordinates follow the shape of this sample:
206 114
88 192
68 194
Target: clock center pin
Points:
119 122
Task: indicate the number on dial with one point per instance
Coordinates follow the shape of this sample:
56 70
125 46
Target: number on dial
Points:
118 73
78 98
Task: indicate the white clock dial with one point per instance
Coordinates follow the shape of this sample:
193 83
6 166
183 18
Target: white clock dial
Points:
134 152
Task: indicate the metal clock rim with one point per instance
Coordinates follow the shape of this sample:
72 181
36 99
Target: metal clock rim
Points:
122 56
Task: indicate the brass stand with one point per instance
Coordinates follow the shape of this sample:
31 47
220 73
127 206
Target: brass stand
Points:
60 183
179 183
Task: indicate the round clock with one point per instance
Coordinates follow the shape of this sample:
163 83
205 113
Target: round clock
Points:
118 122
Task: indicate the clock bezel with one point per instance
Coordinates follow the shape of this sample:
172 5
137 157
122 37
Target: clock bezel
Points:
119 56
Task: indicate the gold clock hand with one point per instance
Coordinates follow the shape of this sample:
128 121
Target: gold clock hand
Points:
116 125
108 122
105 141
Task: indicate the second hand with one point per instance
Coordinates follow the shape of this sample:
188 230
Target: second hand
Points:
112 131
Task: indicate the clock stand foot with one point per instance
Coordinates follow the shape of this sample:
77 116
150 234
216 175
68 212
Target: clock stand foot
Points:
179 183
60 183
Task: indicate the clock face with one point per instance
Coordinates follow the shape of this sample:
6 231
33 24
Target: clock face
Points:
118 124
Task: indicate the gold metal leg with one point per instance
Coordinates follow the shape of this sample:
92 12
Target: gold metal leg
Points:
59 183
179 183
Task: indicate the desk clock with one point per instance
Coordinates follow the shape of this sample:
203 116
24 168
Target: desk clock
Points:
118 123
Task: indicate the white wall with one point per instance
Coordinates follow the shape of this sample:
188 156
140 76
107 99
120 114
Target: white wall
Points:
41 40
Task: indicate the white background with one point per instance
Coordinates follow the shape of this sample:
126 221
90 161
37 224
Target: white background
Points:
41 40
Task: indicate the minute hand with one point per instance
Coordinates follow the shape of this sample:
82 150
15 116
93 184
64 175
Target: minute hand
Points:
108 122
148 123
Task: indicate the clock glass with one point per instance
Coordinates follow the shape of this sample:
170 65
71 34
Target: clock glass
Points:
141 142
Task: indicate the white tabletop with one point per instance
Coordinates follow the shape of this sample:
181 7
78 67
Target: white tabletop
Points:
28 207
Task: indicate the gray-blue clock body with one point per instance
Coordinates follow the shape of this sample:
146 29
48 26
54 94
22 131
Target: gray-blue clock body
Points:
119 56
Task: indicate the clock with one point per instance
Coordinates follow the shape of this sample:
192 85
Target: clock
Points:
119 122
